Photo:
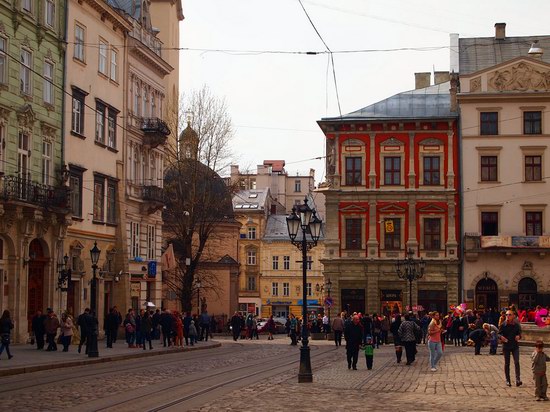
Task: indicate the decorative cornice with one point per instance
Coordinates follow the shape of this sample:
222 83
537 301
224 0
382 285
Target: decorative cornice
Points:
154 61
107 13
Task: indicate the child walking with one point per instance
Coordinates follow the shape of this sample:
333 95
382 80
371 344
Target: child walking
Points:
539 359
369 352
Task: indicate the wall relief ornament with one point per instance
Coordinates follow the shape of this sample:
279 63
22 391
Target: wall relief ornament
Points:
475 84
392 141
520 77
26 117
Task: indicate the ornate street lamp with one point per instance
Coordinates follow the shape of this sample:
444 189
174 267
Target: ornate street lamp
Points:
304 218
64 274
410 269
93 351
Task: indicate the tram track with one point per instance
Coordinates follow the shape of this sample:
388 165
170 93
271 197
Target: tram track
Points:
194 380
10 384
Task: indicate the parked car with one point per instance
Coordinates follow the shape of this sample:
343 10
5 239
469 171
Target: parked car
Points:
279 326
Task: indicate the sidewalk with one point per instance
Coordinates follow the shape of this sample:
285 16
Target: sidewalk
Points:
27 358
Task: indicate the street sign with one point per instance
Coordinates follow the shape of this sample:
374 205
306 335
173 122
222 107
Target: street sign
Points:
329 301
152 268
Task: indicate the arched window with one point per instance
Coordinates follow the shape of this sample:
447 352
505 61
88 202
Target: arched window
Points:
527 293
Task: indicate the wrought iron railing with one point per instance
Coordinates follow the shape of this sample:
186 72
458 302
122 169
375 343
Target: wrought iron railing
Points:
153 194
15 188
154 125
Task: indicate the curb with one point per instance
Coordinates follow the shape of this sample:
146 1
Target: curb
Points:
89 361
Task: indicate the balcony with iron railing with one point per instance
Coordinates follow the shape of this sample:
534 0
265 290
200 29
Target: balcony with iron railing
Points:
18 189
155 130
475 244
153 194
149 40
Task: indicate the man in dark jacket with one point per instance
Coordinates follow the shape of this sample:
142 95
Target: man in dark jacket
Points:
510 334
353 333
166 326
111 326
38 329
83 322
186 323
205 325
236 325
156 325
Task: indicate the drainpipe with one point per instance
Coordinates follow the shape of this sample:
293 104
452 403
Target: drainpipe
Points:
64 78
461 208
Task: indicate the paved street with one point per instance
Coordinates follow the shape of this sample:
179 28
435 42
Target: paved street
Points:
261 375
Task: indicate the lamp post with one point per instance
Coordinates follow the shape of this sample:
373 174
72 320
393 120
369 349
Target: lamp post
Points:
304 218
410 269
329 287
64 276
93 351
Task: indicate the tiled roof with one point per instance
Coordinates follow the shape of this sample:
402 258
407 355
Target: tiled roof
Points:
482 52
429 102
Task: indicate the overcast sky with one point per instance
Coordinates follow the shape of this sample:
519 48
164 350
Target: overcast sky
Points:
275 99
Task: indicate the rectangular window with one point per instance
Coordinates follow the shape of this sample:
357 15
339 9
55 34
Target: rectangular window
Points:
3 60
489 223
77 119
26 5
99 199
251 257
353 171
25 72
46 163
392 240
100 123
297 185
113 72
2 145
432 234
111 202
137 97
286 289
532 122
309 262
151 243
134 239
286 262
488 123
24 156
353 233
103 49
111 129
533 168
48 82
308 288
75 185
79 37
431 170
533 223
49 12
392 170
251 283
489 168
252 232
275 263
275 289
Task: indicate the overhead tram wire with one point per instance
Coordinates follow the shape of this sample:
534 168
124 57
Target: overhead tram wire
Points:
330 54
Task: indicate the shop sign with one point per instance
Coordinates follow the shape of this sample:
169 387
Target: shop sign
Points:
309 302
390 294
279 302
135 289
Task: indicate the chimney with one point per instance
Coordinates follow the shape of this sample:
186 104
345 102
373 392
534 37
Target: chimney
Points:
422 80
500 31
441 77
454 53
234 170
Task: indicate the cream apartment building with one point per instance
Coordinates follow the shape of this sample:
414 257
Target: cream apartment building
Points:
504 100
94 146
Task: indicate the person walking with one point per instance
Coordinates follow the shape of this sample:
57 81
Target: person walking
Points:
37 325
394 329
186 324
354 336
236 326
338 329
205 325
6 325
166 326
434 341
66 331
270 326
130 328
376 329
326 325
369 353
156 324
139 335
384 329
111 326
147 329
255 328
538 365
407 332
51 324
83 322
178 329
510 334
293 326
193 332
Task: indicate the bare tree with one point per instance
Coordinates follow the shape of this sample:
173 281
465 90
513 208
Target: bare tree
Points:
198 201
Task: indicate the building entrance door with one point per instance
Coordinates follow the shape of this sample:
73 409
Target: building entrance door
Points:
527 293
486 294
35 289
355 298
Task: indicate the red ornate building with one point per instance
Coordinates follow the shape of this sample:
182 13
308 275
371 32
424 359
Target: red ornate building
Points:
392 185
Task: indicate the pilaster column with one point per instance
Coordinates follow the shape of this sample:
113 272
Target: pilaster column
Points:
450 159
372 159
372 243
412 174
412 242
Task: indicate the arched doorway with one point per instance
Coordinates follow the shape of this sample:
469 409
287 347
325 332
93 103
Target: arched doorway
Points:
486 294
527 293
36 265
